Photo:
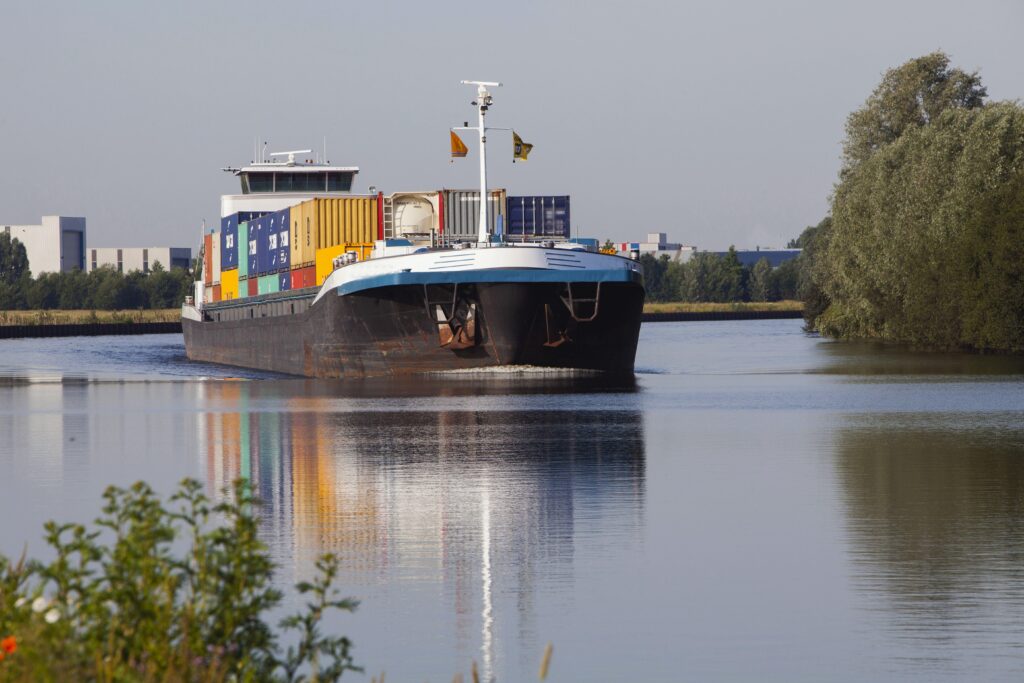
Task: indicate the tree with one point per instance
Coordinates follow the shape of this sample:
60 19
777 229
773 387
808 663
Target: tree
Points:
760 284
909 97
13 259
785 280
925 245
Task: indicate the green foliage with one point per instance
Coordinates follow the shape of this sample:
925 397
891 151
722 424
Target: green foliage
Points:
157 592
909 97
760 284
925 245
13 260
103 288
710 278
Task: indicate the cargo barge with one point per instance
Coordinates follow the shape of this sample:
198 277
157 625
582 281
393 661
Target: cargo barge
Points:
306 278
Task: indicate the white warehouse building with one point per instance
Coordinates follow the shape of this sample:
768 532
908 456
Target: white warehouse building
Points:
57 245
127 259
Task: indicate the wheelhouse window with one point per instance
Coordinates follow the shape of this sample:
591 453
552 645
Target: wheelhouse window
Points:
339 182
285 181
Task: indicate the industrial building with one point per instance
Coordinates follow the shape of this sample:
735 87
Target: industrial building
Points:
775 257
127 259
657 244
57 245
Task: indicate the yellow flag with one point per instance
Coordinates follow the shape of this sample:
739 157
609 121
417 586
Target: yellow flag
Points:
520 149
458 146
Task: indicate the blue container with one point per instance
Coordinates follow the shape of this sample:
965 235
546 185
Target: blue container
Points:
284 281
539 216
274 254
257 246
229 242
281 253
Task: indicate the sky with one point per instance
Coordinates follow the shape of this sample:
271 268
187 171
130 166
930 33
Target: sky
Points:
717 123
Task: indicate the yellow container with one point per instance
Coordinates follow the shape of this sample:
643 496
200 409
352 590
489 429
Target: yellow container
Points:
325 257
304 237
229 284
337 220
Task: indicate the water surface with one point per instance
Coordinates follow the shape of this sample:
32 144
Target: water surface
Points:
759 504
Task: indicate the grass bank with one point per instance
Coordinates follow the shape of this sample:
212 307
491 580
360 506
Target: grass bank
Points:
752 306
56 317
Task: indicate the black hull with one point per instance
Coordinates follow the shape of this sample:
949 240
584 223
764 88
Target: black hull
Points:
393 330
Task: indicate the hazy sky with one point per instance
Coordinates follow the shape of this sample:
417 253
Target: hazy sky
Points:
717 122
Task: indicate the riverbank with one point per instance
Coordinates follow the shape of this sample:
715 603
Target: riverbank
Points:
58 317
729 307
22 324
696 312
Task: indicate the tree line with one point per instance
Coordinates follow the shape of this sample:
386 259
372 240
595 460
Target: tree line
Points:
925 242
708 277
103 288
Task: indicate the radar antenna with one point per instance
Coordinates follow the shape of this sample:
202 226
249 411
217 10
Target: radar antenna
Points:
291 155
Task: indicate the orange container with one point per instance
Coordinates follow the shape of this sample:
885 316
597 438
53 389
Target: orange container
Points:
208 259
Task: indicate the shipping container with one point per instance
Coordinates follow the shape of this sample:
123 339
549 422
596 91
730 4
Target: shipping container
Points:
273 254
303 242
538 217
284 281
257 231
252 285
339 220
208 259
325 258
216 293
229 245
229 284
236 219
304 277
243 249
462 214
216 258
414 216
268 284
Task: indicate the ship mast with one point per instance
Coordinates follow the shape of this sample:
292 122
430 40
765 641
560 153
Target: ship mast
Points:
482 103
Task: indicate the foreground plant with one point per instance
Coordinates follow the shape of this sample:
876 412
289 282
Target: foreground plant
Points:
171 593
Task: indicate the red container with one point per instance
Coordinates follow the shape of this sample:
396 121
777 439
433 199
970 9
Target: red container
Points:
304 277
208 259
253 286
216 293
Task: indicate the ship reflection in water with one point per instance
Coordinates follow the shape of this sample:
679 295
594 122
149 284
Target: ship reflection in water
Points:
476 493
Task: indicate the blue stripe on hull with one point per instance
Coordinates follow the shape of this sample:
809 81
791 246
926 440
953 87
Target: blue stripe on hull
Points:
490 275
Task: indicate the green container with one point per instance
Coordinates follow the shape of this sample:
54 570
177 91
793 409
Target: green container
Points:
268 284
243 250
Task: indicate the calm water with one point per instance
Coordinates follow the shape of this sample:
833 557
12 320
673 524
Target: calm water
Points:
759 505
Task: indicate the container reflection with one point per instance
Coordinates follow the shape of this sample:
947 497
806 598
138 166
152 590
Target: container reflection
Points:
478 504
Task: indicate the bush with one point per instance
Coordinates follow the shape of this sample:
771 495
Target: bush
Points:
157 592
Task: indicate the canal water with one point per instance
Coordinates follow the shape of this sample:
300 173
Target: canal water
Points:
760 504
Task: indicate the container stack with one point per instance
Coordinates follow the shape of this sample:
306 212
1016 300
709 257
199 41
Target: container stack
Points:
294 248
261 253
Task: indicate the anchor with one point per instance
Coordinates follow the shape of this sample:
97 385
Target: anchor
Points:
457 330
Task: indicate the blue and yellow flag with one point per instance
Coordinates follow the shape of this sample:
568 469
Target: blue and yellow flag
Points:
459 149
520 149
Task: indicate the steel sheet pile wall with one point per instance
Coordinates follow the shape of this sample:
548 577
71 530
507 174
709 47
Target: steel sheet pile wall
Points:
462 213
538 217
